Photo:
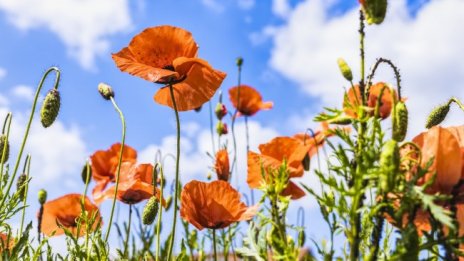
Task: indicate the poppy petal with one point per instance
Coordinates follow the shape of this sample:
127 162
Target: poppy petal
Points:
294 191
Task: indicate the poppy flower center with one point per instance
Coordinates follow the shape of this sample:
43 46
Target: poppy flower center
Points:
169 67
67 221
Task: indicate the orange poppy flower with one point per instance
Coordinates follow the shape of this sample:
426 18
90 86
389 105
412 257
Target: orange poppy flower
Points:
271 158
213 205
65 211
443 146
135 185
221 165
458 132
354 100
250 100
167 54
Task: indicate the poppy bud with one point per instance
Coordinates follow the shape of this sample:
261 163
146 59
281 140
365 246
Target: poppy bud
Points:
197 109
21 186
389 165
345 69
4 146
208 176
306 162
437 115
374 10
42 196
301 238
400 122
106 91
221 128
239 61
86 173
50 108
220 111
340 120
150 211
168 202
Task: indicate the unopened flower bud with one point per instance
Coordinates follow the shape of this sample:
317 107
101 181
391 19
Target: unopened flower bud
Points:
50 108
306 162
345 69
239 61
437 115
301 238
208 176
340 120
42 196
389 165
168 203
21 186
221 128
400 122
220 111
106 91
86 173
374 10
150 211
4 146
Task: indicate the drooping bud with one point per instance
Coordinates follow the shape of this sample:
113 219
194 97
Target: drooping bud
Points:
220 111
168 203
4 146
345 69
437 115
239 61
400 122
21 186
86 173
150 211
50 108
389 165
374 10
221 128
106 91
42 196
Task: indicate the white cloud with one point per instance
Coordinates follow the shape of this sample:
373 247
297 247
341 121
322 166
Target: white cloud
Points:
264 35
2 73
426 48
82 25
214 5
4 101
281 8
246 4
23 92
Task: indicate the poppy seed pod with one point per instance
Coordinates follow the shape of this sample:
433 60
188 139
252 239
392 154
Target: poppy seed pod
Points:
106 91
4 146
345 69
150 211
400 122
50 108
437 115
389 165
42 196
21 186
374 10
220 111
239 61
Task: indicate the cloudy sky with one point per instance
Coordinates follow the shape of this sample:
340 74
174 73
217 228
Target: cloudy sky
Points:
290 49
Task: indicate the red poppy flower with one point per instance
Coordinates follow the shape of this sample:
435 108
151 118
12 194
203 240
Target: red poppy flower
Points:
222 166
135 185
443 146
105 163
213 205
65 211
353 100
250 100
316 140
271 158
167 54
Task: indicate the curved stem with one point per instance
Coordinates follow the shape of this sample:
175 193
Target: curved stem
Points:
126 242
31 116
214 244
174 222
27 167
7 125
395 70
118 169
158 226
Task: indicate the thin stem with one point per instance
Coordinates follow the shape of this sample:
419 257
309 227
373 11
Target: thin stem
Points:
87 181
27 167
214 244
126 242
458 102
158 226
118 169
211 127
234 117
363 60
7 125
173 231
26 134
248 149
395 70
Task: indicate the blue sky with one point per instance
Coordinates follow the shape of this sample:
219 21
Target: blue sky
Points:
289 47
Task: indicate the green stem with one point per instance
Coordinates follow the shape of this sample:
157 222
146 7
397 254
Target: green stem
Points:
118 169
126 242
458 102
88 225
26 134
27 167
174 222
363 60
211 127
252 193
214 244
158 226
7 125
234 117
